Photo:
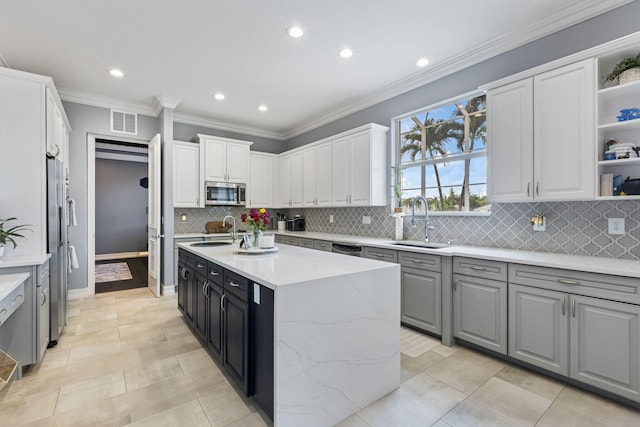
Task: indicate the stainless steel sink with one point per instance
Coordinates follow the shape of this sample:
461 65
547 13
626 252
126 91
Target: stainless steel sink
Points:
415 244
211 243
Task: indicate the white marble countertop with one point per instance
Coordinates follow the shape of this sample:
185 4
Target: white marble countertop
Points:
201 235
8 282
613 266
23 260
289 265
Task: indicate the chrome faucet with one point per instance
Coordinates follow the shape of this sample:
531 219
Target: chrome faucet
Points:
427 226
234 233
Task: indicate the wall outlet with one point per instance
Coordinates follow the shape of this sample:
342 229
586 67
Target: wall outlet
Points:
541 226
366 220
330 219
616 225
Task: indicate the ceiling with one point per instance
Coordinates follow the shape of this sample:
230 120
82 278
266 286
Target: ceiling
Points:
184 52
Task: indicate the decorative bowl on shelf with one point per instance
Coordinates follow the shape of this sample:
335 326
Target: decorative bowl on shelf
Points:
629 114
631 186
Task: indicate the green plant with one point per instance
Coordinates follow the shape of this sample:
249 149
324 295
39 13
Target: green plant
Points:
622 66
9 234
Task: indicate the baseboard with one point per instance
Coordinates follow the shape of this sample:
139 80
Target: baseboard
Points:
168 290
122 255
78 293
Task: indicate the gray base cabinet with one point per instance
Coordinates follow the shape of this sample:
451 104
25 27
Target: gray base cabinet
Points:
421 291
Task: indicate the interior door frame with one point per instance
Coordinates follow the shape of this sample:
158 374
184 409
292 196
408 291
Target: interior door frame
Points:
91 202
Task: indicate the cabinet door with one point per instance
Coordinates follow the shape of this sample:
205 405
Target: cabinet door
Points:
214 322
260 188
341 172
510 142
237 163
421 299
360 169
323 174
539 327
236 339
182 284
564 140
605 345
52 125
200 297
309 172
480 312
44 321
215 160
189 307
296 179
285 180
186 175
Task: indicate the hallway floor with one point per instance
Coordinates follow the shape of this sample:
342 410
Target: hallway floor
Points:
128 358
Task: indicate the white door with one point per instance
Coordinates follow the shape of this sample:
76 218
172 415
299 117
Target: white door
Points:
153 278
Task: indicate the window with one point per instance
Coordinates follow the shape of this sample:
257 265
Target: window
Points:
441 155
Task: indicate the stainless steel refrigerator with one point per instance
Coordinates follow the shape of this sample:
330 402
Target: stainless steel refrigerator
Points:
57 213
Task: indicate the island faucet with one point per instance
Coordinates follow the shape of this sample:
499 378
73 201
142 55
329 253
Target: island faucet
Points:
427 226
234 233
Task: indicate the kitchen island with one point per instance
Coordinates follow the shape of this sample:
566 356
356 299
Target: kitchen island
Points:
336 328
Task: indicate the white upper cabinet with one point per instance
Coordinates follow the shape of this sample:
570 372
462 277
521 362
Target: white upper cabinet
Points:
296 179
187 185
263 188
56 129
316 175
224 159
541 136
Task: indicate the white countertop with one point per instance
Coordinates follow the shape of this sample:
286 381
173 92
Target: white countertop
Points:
8 282
289 265
201 235
23 260
613 266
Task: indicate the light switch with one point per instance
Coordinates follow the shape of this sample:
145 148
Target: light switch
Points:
330 219
616 225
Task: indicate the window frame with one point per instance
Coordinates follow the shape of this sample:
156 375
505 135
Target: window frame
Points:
394 165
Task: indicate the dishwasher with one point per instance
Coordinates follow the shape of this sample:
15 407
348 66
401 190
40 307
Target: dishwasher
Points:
346 249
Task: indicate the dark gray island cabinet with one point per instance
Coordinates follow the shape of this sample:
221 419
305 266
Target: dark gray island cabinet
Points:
312 336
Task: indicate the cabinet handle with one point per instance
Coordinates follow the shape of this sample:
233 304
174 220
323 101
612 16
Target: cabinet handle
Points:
235 285
222 302
185 273
455 285
569 282
44 297
476 268
3 311
199 265
537 188
416 261
573 308
214 274
204 285
529 189
378 255
564 303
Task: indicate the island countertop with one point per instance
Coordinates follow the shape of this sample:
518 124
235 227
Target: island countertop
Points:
289 265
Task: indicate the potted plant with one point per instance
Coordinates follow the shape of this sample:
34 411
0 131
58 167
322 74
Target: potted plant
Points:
626 70
9 234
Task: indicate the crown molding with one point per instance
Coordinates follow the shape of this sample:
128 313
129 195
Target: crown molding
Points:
167 101
571 15
85 98
189 119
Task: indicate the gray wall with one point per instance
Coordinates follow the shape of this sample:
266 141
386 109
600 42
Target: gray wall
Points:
182 132
121 206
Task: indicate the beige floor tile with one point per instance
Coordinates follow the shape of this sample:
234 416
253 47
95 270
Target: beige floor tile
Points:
27 408
466 370
500 404
141 376
189 414
196 360
224 407
444 350
440 423
410 366
54 359
577 408
531 381
352 421
111 348
93 390
252 420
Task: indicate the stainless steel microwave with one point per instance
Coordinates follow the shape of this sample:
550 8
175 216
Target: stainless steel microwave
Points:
225 194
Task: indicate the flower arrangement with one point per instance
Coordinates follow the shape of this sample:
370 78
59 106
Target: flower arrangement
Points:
257 219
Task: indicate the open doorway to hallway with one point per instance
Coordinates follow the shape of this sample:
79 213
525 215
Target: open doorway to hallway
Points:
121 215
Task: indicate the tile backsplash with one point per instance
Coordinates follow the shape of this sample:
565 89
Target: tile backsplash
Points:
578 228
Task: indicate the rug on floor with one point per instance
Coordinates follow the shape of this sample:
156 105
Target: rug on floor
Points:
112 272
414 344
138 269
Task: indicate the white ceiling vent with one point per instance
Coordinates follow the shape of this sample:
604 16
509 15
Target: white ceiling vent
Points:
124 122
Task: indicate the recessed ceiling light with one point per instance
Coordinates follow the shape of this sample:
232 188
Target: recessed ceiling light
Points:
116 73
295 32
422 62
262 107
219 96
346 53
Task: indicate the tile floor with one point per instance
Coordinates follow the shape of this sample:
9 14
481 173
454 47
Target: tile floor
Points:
127 358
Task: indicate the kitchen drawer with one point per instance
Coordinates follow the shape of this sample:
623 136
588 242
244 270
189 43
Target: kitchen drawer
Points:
492 270
236 284
388 255
322 245
305 243
200 266
281 239
420 261
624 289
215 273
11 302
290 240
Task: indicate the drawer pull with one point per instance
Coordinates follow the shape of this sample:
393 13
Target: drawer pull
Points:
3 311
199 266
417 261
568 282
213 273
235 285
573 308
476 268
455 285
564 303
378 255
